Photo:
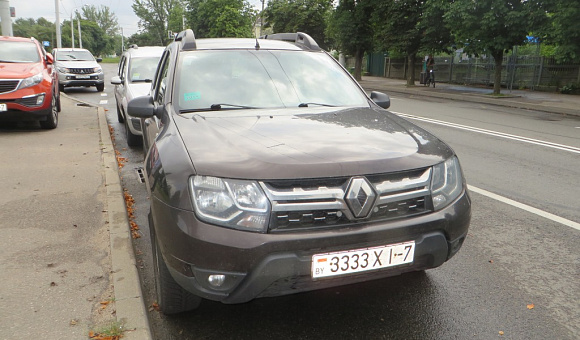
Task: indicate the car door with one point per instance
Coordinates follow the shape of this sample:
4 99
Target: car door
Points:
122 88
153 125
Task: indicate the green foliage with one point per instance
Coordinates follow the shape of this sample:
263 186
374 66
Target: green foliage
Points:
563 29
308 16
103 16
154 15
94 38
41 29
220 18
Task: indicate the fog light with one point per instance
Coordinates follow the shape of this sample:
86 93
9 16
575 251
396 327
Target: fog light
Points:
40 99
216 280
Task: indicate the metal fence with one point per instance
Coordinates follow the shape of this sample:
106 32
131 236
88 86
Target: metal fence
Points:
518 72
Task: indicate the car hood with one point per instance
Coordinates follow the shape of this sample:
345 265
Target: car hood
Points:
289 143
77 64
19 70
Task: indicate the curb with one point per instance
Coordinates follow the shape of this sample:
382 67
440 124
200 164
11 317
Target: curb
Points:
129 301
507 102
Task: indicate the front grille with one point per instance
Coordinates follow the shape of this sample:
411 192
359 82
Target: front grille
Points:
322 203
81 70
8 85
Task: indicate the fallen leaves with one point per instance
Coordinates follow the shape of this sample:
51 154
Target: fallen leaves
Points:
154 307
130 202
530 306
99 336
120 159
501 333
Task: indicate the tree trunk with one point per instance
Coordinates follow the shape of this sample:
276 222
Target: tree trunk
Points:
498 58
411 69
358 57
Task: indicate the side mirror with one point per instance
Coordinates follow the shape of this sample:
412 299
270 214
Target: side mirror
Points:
116 80
49 59
381 99
141 107
99 60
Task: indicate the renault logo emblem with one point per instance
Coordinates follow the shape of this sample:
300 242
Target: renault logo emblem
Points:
360 197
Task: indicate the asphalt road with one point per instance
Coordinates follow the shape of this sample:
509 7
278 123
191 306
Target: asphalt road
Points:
516 277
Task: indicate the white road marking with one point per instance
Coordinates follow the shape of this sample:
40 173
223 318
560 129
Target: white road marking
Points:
525 207
493 133
103 102
103 94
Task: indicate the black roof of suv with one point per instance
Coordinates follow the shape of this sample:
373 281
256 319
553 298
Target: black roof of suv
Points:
271 172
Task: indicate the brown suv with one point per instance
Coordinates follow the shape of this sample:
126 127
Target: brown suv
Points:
271 172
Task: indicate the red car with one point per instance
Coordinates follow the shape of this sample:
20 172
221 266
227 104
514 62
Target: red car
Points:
28 82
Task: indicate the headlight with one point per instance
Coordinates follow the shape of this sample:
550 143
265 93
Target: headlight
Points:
63 70
30 81
447 183
230 203
98 69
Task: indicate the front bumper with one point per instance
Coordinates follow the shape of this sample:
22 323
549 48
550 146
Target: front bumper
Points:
71 79
260 265
25 108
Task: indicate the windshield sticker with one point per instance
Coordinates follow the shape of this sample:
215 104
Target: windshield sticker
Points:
192 96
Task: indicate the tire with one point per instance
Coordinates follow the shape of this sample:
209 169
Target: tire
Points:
61 88
51 121
100 87
171 297
120 117
132 139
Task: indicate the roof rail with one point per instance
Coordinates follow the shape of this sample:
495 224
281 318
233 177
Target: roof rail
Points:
187 40
298 38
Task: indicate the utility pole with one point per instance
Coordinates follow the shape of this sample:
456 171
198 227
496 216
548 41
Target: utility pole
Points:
57 25
80 37
261 18
72 31
6 20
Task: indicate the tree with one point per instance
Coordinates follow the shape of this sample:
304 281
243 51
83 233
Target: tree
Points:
153 15
351 30
94 38
308 16
563 29
103 16
221 18
493 26
41 29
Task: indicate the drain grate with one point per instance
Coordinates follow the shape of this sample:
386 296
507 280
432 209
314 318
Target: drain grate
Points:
140 174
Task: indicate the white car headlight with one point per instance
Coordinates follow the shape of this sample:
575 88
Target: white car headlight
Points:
30 81
230 203
98 69
447 183
63 70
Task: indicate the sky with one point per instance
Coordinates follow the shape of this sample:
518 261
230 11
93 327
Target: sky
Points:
46 8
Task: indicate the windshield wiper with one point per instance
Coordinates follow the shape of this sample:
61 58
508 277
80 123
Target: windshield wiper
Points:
142 80
319 104
217 107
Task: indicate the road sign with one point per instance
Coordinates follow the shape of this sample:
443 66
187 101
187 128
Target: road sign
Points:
46 43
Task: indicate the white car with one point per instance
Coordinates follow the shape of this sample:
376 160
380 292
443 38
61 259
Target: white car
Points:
136 71
78 67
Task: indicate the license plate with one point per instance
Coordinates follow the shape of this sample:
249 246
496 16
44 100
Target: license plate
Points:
83 77
3 107
360 260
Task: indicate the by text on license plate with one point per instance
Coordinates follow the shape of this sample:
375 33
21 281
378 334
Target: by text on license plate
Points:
3 107
83 77
360 260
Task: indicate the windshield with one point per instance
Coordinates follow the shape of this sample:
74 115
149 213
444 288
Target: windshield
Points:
18 52
74 55
264 79
142 68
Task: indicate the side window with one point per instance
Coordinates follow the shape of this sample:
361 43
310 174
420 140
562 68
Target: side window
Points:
122 64
161 77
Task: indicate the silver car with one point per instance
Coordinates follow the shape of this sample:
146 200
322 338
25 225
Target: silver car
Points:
78 67
136 70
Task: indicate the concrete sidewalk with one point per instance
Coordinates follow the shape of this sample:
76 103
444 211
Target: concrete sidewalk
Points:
66 253
523 99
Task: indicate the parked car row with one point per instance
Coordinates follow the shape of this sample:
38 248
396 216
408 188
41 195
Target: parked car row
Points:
31 79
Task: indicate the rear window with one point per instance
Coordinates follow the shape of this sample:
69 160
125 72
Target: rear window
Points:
18 52
262 79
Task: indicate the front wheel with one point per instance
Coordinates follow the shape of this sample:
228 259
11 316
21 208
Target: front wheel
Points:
100 87
132 139
52 119
171 297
